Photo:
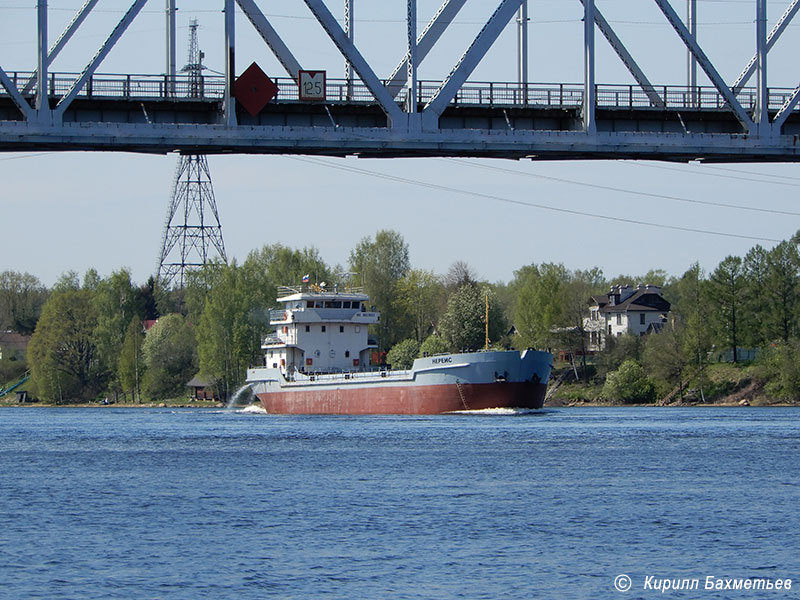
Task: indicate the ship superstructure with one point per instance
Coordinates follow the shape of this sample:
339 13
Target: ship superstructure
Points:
318 330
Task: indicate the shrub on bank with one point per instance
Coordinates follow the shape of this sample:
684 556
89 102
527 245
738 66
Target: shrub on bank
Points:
629 384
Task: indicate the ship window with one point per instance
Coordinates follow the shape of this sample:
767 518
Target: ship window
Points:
323 329
358 329
341 328
346 304
328 304
641 318
310 304
347 353
308 327
336 304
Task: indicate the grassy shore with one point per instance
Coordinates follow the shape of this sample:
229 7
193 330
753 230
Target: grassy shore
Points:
719 385
10 400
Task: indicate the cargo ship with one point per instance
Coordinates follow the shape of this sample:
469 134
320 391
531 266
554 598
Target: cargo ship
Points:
320 360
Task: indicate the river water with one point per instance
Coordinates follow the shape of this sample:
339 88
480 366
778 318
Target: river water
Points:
160 503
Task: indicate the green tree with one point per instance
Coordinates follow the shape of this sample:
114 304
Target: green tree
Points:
116 301
402 355
665 356
131 366
783 264
725 291
67 281
433 344
629 384
755 329
463 324
22 297
780 364
220 332
617 351
420 294
62 352
169 355
577 292
540 307
91 280
381 263
693 308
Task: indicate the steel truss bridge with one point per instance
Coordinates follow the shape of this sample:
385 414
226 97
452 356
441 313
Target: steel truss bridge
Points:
402 115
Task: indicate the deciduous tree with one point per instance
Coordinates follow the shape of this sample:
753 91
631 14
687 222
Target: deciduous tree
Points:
381 263
169 355
402 355
62 353
22 297
463 325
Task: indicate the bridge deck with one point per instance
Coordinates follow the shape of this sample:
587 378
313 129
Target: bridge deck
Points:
155 114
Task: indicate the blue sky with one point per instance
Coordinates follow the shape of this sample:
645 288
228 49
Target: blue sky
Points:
107 210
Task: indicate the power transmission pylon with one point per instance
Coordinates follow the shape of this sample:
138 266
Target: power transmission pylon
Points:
192 227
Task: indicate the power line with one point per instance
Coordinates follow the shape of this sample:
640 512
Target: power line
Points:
626 191
443 188
700 172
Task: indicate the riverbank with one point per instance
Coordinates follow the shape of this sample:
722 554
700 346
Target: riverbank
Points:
719 385
169 403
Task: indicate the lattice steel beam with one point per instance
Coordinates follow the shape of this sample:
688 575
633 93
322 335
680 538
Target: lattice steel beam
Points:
426 41
705 64
626 58
349 51
469 60
281 51
67 99
773 36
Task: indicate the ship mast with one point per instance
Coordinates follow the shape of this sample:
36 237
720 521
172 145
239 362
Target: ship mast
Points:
486 320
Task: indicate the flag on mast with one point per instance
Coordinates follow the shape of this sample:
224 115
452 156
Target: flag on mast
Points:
305 278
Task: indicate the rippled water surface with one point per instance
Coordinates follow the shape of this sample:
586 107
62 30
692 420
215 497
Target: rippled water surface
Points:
158 503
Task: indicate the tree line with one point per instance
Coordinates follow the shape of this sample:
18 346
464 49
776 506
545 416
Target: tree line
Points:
88 339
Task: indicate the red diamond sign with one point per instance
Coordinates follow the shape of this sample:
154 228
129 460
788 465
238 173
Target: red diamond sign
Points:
254 90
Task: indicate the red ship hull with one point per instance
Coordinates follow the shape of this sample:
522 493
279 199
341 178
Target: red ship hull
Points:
405 399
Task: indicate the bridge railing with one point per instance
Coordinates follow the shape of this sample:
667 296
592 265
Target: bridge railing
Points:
338 91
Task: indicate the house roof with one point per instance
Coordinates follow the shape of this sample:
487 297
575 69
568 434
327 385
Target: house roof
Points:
640 301
198 381
12 339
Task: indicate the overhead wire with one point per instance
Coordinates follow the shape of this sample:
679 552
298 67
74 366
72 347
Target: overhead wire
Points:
627 191
700 171
444 188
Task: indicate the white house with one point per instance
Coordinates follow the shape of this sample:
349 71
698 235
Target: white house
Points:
625 309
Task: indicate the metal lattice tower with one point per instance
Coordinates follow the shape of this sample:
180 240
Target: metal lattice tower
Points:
192 229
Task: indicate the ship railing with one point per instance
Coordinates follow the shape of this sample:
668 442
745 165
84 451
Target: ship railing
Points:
313 288
277 315
350 375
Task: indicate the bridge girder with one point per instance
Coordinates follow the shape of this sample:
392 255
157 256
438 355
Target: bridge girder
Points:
399 116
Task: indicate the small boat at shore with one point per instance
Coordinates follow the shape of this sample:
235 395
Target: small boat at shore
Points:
318 362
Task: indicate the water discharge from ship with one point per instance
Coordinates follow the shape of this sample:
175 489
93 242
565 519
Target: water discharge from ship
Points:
237 396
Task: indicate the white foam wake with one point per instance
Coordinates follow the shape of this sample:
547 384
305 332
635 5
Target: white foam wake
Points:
497 411
255 409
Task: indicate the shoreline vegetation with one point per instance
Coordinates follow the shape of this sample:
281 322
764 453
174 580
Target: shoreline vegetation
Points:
726 337
724 386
